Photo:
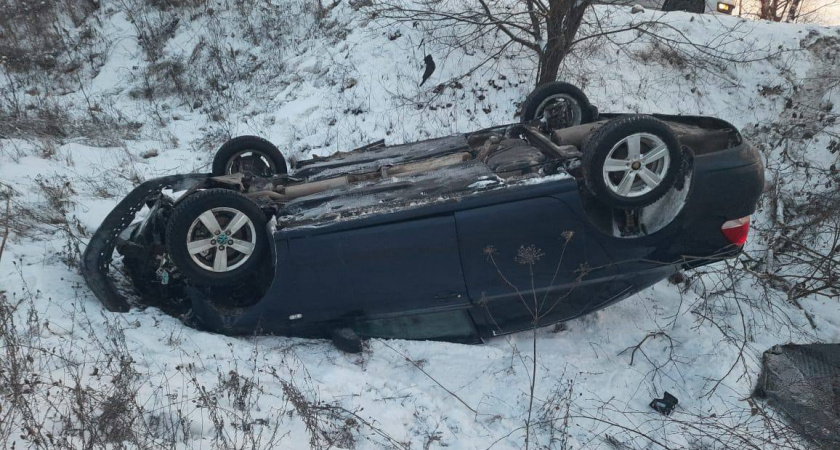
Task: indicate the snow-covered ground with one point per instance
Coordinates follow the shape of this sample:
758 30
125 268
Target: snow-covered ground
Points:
320 86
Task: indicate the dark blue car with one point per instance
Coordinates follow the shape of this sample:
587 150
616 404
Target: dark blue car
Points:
458 238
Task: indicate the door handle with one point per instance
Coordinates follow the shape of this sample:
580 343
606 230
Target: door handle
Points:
448 295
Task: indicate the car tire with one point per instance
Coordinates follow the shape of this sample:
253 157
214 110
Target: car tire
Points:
631 161
195 243
536 101
231 157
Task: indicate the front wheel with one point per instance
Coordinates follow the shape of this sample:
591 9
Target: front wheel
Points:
217 237
631 161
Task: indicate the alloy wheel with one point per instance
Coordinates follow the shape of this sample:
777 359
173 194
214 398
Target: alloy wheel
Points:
221 239
636 165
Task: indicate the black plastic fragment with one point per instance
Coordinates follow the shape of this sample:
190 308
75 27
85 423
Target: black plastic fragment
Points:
803 383
665 405
347 340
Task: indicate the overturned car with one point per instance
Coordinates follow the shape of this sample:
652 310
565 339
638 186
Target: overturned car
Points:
457 238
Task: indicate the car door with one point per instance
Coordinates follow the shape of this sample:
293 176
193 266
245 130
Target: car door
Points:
529 258
407 267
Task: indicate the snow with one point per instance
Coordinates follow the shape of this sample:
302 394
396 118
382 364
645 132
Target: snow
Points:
423 394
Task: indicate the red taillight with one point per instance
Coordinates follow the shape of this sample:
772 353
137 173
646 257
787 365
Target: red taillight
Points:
736 230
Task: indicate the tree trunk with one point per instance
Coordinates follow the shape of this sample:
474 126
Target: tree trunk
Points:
794 9
774 11
550 60
764 11
561 26
553 51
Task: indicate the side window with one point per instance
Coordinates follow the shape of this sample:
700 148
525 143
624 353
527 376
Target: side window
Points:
449 325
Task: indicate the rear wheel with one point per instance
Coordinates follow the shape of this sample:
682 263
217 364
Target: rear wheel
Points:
631 161
217 237
250 155
562 103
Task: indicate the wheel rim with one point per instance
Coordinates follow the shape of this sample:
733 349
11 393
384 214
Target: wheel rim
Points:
636 165
221 239
252 162
574 107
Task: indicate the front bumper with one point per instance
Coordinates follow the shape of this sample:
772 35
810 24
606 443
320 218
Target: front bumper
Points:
96 260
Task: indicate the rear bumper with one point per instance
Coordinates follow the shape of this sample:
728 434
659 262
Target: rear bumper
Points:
727 185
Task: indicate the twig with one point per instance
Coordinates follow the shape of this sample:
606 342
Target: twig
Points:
638 347
416 365
5 226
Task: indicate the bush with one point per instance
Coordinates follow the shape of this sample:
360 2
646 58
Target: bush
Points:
35 35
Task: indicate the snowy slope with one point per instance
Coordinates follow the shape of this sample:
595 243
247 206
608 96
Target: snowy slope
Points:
322 87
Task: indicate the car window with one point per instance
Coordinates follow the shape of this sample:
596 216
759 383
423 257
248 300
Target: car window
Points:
447 325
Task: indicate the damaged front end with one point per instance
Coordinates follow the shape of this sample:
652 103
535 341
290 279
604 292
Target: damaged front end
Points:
140 244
